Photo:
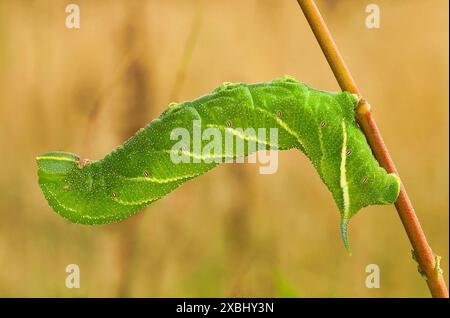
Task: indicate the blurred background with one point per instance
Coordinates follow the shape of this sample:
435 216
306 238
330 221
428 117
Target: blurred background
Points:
231 232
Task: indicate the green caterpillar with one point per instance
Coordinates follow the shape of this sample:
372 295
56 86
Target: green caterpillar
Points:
320 124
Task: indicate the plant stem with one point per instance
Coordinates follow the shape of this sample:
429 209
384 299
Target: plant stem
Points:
423 253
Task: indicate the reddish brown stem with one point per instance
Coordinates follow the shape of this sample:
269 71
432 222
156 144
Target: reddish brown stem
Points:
423 253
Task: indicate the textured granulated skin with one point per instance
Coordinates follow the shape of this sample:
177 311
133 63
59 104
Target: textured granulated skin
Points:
320 124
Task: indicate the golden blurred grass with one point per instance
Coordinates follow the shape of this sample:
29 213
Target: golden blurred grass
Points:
232 232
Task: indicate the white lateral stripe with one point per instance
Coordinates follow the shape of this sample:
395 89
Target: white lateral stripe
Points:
343 178
89 217
282 124
144 201
51 194
160 181
244 137
194 155
322 148
55 158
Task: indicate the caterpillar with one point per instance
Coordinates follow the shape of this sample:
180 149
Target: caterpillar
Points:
320 124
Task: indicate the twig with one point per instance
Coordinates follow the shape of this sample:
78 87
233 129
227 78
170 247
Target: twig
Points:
423 253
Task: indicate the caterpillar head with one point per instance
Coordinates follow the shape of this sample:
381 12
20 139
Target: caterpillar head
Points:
56 164
78 191
64 181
